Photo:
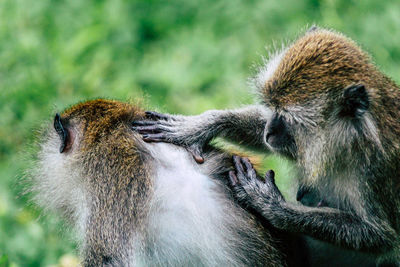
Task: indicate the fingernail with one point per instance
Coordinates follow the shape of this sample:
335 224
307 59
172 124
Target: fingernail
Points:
199 159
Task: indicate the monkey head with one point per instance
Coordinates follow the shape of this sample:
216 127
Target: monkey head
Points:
324 93
91 123
88 144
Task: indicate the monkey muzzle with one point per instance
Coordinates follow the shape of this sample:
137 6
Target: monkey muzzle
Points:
275 132
62 133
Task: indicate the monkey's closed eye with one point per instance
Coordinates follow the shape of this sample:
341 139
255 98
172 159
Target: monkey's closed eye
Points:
62 133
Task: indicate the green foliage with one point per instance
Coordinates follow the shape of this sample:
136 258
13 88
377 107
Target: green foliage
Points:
4 261
182 56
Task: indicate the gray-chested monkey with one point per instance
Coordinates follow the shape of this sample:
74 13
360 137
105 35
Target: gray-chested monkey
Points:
140 204
327 107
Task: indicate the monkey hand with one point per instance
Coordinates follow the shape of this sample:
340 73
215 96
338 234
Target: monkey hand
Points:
176 129
262 196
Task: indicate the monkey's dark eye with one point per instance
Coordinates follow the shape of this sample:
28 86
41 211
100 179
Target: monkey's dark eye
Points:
62 132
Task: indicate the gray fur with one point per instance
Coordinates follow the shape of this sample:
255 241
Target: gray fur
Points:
350 160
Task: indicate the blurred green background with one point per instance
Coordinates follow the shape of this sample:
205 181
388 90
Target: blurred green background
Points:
181 56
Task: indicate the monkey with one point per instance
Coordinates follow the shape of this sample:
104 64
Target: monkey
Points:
134 203
329 109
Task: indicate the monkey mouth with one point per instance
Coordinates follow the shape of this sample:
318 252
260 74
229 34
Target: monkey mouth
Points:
63 133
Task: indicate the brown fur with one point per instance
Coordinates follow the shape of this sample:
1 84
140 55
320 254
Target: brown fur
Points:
100 117
317 63
107 140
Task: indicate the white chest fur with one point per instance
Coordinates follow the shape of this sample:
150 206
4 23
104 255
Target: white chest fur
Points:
191 219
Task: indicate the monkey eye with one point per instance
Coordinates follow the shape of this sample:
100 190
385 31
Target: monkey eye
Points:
62 133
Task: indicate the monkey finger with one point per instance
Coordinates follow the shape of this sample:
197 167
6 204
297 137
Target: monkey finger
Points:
251 172
270 176
233 178
157 116
144 123
196 153
160 137
146 129
157 128
238 165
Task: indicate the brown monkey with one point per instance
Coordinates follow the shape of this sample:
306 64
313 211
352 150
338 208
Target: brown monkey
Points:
327 107
140 204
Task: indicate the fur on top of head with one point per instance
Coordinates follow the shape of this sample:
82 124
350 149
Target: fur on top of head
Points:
321 62
98 117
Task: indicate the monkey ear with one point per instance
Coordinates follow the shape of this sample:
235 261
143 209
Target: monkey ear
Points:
63 133
355 101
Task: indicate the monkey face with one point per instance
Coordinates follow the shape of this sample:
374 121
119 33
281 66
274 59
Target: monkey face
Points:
342 122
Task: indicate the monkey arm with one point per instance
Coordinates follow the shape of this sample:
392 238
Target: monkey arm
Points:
335 226
243 126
